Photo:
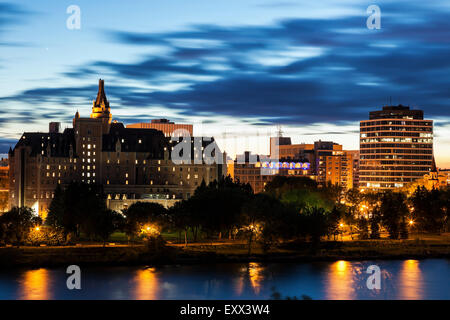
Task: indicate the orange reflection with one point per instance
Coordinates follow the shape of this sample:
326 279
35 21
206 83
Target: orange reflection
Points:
146 285
340 281
34 285
410 281
255 273
238 285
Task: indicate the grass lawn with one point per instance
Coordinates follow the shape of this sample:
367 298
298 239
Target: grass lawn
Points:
168 236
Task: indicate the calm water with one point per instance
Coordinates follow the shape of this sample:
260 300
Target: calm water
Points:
409 279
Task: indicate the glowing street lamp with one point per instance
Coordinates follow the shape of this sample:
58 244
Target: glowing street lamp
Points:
151 230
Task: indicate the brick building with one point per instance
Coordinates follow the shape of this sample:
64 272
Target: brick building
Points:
129 163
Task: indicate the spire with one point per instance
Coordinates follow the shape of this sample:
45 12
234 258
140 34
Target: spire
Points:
101 95
100 108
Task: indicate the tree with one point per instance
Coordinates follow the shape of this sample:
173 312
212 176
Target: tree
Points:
375 223
353 199
106 222
216 207
363 228
334 220
181 219
142 215
264 218
75 209
55 214
393 211
430 209
317 223
18 223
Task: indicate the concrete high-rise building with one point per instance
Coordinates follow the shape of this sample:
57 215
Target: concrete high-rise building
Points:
131 164
333 164
396 148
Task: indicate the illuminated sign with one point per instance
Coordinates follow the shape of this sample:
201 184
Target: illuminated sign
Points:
286 165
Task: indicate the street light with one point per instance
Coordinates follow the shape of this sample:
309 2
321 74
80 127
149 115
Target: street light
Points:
151 230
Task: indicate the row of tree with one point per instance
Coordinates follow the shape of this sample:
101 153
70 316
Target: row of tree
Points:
289 209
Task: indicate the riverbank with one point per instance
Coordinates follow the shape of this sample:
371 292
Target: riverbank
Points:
221 252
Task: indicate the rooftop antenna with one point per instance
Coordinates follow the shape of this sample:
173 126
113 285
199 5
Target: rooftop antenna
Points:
279 131
390 100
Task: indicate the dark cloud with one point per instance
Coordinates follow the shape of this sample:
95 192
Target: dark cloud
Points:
10 15
296 71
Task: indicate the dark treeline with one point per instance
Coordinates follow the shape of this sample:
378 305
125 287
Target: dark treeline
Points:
291 209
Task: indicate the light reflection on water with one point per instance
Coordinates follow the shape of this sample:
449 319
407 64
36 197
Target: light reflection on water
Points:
409 279
35 285
340 281
146 285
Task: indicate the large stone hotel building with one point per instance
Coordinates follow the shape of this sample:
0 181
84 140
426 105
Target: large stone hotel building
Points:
396 148
130 163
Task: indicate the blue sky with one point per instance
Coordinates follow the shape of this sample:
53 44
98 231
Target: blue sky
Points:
236 69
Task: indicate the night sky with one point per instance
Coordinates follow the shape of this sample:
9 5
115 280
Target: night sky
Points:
236 69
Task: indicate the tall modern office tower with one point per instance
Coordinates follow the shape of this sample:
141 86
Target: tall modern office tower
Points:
396 148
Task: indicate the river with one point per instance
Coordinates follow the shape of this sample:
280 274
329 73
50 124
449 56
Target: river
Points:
400 279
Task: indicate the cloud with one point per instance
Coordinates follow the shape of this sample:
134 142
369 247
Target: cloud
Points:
10 15
294 71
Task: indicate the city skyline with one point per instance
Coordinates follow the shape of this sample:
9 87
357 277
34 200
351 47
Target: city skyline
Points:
289 63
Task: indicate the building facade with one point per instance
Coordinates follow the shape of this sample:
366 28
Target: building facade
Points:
129 163
4 184
169 128
329 162
259 171
396 148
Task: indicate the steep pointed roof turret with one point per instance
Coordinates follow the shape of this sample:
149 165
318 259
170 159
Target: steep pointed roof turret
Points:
101 95
100 108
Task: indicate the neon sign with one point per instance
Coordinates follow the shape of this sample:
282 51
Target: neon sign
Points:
286 165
